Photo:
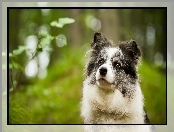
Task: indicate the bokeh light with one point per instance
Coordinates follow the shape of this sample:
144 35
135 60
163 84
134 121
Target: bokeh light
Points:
158 58
31 69
31 43
43 59
61 40
93 23
150 35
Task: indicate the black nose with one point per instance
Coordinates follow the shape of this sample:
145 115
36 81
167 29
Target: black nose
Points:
103 71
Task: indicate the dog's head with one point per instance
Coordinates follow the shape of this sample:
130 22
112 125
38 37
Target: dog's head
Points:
112 67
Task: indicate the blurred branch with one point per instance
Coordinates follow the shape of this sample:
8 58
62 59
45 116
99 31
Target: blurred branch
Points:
44 39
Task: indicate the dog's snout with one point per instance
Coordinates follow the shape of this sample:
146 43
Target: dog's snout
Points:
103 71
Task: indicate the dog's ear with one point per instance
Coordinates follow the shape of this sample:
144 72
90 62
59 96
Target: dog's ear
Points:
99 41
97 37
131 49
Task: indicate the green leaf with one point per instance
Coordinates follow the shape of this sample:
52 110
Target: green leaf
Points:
66 20
12 56
56 24
59 25
61 22
44 42
19 50
43 33
15 65
50 37
53 23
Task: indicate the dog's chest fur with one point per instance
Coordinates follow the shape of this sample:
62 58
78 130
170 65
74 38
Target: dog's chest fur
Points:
103 107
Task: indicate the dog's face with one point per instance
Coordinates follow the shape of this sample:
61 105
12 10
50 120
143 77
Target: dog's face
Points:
112 68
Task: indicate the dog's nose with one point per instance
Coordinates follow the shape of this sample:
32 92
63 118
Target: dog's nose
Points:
103 71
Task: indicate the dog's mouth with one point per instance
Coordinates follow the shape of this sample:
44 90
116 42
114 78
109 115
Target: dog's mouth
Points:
103 83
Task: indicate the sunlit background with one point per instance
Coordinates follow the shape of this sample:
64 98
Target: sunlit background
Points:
48 90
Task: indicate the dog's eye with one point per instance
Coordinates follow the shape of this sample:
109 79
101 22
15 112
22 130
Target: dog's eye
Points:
101 61
117 64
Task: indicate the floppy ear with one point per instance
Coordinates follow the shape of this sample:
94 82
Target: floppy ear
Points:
99 41
130 49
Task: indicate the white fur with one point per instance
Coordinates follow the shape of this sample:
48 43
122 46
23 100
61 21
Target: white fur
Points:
112 51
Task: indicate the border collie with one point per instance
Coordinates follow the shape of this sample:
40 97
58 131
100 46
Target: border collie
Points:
111 89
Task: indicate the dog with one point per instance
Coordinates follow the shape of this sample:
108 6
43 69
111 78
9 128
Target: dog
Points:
111 89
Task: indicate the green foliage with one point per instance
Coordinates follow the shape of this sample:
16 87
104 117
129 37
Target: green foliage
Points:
67 20
55 99
18 114
61 22
45 39
15 65
13 58
44 43
153 84
19 50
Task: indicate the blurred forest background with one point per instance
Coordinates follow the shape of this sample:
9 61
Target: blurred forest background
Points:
47 50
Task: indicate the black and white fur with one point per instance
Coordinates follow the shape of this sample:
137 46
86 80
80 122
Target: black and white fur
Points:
111 90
